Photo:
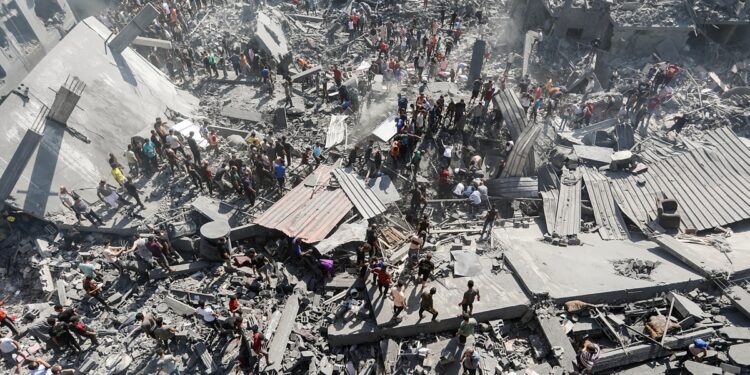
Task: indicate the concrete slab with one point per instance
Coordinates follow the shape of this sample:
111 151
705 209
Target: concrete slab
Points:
124 94
241 114
739 354
695 368
586 272
277 347
502 298
685 307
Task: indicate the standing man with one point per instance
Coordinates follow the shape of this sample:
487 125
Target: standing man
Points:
132 191
466 329
279 172
425 268
489 221
175 144
469 296
426 304
383 278
194 149
399 300
83 209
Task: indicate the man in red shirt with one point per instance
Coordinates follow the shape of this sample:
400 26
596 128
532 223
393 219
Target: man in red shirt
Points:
234 304
257 345
337 75
384 279
93 290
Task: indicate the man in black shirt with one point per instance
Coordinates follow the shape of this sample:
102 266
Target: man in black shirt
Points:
194 149
132 191
425 267
261 264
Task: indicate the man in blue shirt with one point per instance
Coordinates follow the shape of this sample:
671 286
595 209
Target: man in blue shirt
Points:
279 172
264 73
317 151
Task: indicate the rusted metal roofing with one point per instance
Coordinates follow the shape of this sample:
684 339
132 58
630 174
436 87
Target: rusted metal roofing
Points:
710 184
363 197
310 210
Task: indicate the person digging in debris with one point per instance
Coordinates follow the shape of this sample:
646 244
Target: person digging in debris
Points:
588 356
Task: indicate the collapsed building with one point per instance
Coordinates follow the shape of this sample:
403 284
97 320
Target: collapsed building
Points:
28 31
630 236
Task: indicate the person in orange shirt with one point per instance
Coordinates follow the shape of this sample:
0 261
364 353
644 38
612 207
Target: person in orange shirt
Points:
5 320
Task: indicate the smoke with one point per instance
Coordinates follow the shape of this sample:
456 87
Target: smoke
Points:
373 113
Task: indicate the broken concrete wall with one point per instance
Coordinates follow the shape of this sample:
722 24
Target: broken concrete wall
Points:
581 23
641 42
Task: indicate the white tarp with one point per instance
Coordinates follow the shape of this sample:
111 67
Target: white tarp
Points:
387 129
336 130
187 126
467 263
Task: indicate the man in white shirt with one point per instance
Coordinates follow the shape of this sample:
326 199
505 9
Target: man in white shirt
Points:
175 144
475 198
208 315
483 192
458 191
398 298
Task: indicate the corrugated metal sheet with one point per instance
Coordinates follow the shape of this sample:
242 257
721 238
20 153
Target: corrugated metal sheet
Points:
549 202
309 211
518 160
710 184
606 212
568 215
364 199
513 114
513 187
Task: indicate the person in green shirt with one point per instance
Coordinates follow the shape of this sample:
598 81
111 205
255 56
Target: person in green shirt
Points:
466 329
426 304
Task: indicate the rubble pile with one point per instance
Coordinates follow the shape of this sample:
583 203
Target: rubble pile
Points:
398 188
